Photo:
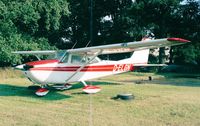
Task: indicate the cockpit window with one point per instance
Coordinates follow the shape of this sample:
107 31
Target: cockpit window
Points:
65 58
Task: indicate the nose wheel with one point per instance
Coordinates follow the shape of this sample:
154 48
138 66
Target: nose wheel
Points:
44 89
42 92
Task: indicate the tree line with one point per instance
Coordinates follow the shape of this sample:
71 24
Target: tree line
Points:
59 24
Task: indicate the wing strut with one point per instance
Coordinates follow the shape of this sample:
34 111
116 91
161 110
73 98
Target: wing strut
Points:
79 69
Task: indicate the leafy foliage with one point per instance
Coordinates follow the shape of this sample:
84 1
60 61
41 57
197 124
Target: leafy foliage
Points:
42 25
186 23
28 25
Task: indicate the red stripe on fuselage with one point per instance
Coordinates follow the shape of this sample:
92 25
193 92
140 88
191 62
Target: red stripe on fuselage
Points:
41 62
71 70
74 68
105 68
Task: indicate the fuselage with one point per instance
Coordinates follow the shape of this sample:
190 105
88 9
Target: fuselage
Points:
55 72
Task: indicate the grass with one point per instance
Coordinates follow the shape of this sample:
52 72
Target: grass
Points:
161 102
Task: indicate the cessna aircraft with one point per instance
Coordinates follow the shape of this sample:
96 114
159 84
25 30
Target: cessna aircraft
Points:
82 64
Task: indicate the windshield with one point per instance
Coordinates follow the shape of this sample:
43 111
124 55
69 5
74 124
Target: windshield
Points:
65 57
57 56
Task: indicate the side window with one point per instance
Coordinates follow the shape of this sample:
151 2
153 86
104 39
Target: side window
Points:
95 60
77 59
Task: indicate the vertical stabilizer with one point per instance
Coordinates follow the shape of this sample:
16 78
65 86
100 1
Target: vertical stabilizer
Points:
140 57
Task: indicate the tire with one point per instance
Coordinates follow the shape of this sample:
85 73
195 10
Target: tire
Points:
125 96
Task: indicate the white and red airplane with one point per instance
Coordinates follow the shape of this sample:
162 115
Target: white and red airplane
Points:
82 64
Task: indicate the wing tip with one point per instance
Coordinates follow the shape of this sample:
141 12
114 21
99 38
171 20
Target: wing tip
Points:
178 40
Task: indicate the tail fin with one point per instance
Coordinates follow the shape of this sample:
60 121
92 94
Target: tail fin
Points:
140 57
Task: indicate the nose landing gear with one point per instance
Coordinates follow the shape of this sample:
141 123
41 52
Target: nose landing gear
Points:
42 92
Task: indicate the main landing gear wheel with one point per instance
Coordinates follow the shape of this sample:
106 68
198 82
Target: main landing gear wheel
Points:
42 92
89 89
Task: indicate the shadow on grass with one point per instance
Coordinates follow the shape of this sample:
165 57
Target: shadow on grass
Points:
190 80
79 93
176 82
96 83
179 75
12 90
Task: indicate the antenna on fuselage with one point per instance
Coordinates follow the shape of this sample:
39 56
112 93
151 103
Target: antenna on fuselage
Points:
88 44
74 45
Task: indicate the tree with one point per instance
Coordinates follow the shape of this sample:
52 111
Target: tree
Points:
40 24
104 32
154 15
186 24
29 25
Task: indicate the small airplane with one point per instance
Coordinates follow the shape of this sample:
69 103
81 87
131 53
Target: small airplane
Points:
82 64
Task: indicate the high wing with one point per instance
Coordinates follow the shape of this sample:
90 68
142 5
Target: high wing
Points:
113 48
52 53
45 52
129 46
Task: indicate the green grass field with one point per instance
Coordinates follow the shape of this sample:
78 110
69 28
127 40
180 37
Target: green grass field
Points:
171 101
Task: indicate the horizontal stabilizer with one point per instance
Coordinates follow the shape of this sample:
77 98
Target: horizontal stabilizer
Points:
150 65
